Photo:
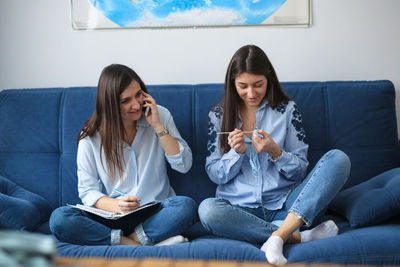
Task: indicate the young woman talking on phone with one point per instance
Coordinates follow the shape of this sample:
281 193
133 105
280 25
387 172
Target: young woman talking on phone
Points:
122 163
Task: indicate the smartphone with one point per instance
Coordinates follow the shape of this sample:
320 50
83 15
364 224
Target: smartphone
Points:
146 110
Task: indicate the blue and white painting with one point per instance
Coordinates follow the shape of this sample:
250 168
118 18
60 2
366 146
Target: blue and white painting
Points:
181 13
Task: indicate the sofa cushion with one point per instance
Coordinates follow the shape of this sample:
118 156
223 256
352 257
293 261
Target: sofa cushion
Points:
205 248
371 202
21 209
372 245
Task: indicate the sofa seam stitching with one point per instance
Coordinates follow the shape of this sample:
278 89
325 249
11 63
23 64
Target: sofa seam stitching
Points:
60 143
328 133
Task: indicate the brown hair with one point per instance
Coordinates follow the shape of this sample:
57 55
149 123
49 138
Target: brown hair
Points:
253 60
106 118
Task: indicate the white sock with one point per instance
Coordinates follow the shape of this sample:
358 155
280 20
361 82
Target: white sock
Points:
321 231
172 241
273 249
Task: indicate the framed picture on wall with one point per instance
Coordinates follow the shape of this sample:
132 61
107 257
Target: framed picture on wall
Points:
129 14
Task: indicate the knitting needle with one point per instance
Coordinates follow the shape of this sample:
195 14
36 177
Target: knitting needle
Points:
245 132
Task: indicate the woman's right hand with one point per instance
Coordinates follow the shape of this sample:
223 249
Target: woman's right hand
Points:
128 203
153 118
236 141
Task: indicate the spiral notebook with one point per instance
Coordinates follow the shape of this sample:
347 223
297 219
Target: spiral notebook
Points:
113 215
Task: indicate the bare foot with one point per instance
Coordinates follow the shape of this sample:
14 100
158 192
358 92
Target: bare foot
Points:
127 241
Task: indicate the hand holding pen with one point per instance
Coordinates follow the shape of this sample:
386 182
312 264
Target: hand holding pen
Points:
127 203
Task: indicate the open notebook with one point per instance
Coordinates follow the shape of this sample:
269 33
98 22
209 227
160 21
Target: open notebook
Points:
112 215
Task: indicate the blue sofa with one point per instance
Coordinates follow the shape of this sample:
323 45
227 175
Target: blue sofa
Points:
39 128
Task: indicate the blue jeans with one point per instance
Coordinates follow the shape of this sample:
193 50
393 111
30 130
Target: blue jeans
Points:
308 201
175 215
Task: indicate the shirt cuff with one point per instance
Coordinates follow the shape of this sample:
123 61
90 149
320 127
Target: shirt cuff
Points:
231 158
284 159
178 158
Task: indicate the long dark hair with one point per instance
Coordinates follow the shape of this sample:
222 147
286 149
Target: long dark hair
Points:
253 60
106 118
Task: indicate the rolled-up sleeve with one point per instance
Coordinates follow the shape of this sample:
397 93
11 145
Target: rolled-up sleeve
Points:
181 162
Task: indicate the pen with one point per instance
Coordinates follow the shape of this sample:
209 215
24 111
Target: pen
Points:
122 193
119 192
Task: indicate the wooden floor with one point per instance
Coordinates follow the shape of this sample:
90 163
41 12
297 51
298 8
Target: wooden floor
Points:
101 262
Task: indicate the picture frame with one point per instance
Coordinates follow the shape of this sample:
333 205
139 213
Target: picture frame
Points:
143 14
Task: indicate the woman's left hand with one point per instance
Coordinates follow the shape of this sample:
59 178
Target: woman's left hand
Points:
152 117
265 144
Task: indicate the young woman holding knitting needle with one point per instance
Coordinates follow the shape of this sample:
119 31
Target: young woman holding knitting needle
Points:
257 155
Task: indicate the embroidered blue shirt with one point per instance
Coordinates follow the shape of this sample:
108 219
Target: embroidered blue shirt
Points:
145 173
270 186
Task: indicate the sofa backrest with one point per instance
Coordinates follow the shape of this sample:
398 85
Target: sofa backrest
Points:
39 127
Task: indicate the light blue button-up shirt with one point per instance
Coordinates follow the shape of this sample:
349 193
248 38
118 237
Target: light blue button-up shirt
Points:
145 174
270 186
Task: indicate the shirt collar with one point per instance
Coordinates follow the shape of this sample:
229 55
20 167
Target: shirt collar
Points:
264 105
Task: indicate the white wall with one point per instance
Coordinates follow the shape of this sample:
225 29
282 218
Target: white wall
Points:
349 40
